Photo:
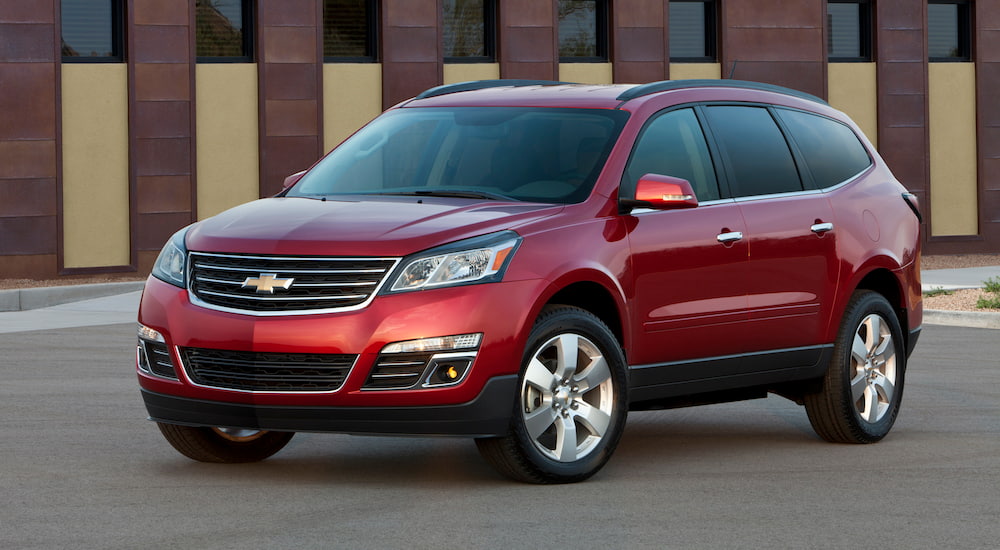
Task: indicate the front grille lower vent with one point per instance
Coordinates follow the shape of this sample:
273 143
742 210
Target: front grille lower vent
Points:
154 357
266 371
278 285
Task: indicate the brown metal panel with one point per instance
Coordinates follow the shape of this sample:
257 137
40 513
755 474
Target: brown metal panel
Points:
776 42
639 44
20 11
160 194
901 56
28 235
29 139
161 57
27 197
27 101
293 153
27 42
987 57
412 48
20 159
159 12
161 44
163 119
528 39
290 83
161 81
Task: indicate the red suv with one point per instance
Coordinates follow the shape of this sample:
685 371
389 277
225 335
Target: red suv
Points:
524 262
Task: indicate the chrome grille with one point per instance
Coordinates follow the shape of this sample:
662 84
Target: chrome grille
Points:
266 371
317 284
155 358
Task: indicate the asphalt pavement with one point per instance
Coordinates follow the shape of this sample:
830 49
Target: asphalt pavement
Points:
81 467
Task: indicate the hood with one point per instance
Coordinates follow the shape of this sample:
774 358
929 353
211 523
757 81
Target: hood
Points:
374 226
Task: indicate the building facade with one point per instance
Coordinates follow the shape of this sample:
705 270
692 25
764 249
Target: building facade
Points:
123 120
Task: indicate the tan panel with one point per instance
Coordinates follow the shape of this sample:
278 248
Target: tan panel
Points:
95 164
463 72
352 96
954 193
226 132
586 73
853 88
683 71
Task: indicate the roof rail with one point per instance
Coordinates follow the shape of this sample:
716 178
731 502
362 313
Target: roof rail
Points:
666 85
482 85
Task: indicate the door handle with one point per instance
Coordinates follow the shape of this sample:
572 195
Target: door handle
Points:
729 237
821 228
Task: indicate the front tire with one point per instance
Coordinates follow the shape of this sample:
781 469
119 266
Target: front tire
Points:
863 387
224 445
571 404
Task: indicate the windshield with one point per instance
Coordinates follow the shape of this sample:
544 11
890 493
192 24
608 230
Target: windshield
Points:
509 153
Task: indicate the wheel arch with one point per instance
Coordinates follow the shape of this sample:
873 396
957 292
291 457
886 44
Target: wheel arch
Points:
883 281
593 292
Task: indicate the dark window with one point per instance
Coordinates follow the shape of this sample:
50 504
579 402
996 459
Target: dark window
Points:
692 31
948 31
92 30
583 30
759 160
349 30
832 152
673 144
468 31
223 30
848 31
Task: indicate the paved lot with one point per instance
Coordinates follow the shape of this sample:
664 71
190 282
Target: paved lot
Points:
81 468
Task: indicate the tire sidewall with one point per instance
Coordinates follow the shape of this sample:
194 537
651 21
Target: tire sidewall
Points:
867 304
570 320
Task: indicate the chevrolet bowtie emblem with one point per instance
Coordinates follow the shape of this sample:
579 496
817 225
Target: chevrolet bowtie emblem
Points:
267 282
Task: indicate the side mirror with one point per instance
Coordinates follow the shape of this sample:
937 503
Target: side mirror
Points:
661 193
292 180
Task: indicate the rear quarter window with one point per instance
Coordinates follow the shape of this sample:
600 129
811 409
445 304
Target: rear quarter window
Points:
832 151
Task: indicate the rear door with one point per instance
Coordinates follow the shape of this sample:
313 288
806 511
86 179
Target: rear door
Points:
792 273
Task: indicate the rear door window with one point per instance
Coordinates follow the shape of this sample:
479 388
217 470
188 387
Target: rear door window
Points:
832 151
757 155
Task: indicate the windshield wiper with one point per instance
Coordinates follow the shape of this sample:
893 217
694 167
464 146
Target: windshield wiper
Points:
457 193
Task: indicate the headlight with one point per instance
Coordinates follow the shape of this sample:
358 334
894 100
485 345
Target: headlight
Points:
477 260
171 264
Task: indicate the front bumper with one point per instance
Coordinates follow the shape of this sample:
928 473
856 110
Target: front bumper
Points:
487 415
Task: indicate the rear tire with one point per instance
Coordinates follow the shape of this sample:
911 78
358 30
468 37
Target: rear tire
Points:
571 404
224 445
863 387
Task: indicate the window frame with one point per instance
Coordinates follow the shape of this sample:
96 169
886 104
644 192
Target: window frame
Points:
711 33
371 37
489 38
627 187
248 21
809 180
865 33
601 38
117 38
964 32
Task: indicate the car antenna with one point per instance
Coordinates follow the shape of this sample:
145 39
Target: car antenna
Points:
733 70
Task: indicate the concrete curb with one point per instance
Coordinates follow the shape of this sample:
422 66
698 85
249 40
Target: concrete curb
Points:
971 319
22 299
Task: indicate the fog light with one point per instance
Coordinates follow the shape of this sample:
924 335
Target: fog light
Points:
446 371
